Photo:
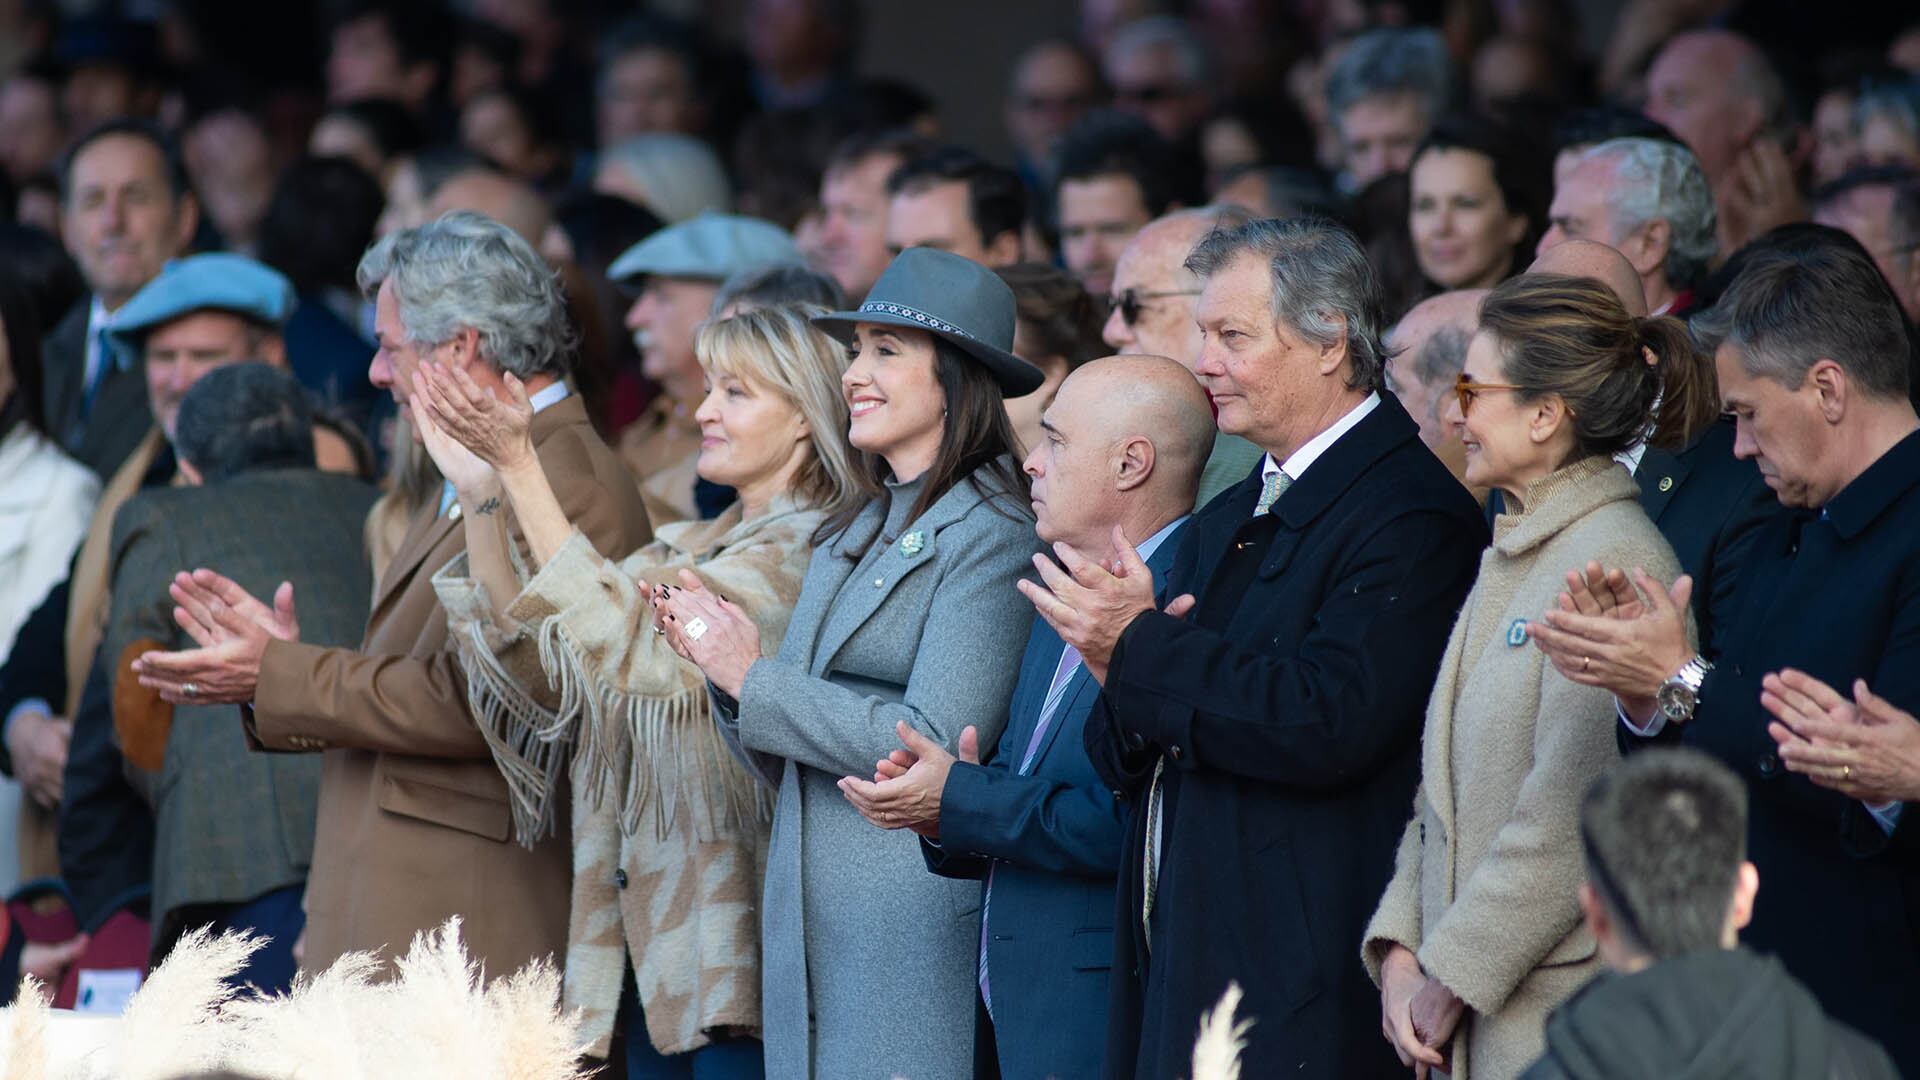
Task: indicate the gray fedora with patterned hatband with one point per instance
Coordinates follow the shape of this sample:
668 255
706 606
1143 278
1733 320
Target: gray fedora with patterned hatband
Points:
955 298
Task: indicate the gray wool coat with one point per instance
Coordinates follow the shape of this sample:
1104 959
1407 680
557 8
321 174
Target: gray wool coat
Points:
868 961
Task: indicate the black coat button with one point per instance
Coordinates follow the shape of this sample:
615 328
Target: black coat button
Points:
1769 764
1174 752
1134 740
620 879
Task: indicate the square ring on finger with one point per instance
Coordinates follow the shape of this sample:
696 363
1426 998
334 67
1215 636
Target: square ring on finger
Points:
696 627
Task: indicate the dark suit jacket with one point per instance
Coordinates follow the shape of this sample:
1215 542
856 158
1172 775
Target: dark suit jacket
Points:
230 824
1837 596
1710 506
120 416
1052 836
1288 709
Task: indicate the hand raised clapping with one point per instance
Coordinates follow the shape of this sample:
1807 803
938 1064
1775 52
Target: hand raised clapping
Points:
709 630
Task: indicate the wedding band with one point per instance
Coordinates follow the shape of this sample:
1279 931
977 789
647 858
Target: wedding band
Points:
1585 663
695 628
658 629
189 689
1846 773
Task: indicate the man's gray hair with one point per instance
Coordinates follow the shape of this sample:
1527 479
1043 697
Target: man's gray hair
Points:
1323 286
1790 307
1392 61
1653 179
1196 64
468 271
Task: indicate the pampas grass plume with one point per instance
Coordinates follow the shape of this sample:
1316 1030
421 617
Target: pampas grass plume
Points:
1216 1053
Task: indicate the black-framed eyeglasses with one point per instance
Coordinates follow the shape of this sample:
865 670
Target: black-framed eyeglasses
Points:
1130 302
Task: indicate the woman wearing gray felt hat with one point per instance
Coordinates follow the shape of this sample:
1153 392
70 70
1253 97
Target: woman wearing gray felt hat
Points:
908 616
955 299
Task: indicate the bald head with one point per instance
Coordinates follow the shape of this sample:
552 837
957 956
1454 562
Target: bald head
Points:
1592 259
1155 262
504 199
1717 91
1126 438
1429 346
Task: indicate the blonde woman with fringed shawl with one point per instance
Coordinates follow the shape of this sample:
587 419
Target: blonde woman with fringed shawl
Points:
570 682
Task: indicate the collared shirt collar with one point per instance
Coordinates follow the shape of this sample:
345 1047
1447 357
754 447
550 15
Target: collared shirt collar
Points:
1151 544
1300 460
551 394
1868 495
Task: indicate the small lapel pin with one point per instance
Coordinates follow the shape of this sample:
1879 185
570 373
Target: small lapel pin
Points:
1517 633
1666 483
911 543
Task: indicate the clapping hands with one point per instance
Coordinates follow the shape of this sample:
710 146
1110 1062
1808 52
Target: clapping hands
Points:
708 629
231 628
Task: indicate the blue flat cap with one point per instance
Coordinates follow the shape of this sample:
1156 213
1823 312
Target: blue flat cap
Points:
219 281
712 246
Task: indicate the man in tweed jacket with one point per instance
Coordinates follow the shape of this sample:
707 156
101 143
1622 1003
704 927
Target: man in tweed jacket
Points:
234 830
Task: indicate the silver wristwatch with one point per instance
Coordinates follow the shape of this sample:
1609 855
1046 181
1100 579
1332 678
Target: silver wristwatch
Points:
1680 695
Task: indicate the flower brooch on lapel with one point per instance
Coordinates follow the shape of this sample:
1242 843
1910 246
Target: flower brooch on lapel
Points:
912 543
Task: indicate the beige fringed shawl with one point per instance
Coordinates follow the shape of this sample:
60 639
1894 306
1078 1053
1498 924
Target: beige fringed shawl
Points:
669 831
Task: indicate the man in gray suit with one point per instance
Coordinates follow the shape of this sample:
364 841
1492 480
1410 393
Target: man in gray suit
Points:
1126 438
1154 295
233 830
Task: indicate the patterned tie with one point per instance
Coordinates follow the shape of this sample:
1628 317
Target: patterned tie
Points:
1150 857
1271 485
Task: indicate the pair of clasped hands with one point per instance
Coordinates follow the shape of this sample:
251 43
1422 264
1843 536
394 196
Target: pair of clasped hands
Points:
1088 603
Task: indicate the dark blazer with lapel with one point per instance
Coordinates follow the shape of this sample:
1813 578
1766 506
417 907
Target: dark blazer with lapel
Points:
1055 832
1710 506
1836 596
230 824
1288 710
120 417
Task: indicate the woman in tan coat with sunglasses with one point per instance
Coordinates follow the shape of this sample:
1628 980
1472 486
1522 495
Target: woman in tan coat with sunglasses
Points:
1479 933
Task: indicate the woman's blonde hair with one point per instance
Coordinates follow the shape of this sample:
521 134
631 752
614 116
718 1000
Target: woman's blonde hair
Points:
779 348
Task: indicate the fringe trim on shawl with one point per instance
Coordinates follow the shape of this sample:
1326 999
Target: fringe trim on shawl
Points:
669 755
532 746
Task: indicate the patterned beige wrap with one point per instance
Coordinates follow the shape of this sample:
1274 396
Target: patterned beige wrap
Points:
574 684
